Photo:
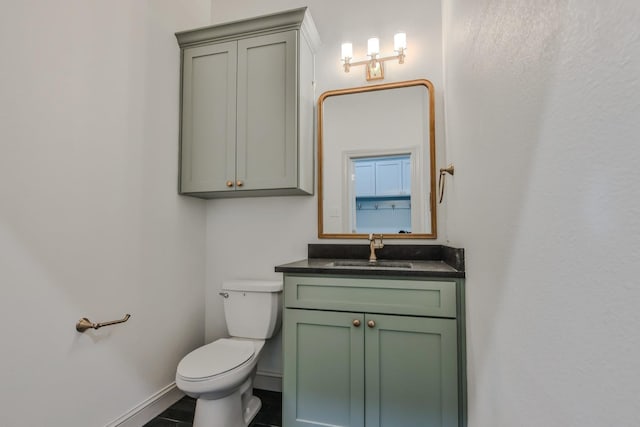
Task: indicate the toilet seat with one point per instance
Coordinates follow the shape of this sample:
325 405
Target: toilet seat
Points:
216 358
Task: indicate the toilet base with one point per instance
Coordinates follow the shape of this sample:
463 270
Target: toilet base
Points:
234 410
252 409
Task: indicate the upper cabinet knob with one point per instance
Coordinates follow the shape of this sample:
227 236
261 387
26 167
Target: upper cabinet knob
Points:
229 183
239 183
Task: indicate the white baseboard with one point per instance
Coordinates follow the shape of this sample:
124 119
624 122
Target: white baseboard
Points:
150 408
147 410
266 380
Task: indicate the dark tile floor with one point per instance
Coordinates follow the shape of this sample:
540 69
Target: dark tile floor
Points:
180 414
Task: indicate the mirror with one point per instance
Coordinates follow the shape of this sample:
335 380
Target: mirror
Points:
376 161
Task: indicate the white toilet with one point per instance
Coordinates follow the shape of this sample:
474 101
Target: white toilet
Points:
220 375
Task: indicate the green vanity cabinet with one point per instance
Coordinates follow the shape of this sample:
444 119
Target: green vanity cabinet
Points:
247 107
368 351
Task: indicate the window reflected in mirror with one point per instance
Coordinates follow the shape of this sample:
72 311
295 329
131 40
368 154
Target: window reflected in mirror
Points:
380 194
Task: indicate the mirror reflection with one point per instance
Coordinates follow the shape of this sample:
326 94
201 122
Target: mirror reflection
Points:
376 149
380 200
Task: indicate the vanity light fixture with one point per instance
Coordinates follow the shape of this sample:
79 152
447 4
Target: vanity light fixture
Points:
375 70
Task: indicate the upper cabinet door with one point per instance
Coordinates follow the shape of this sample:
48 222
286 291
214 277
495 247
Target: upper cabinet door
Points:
208 117
267 113
365 174
406 176
389 177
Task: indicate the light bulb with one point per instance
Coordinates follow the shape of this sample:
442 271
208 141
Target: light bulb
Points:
373 46
400 41
347 50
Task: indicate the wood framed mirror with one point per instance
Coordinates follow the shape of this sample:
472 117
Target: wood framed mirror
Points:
376 161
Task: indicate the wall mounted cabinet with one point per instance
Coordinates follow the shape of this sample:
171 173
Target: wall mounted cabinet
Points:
383 177
247 101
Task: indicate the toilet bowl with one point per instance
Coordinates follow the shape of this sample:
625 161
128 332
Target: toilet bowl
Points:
220 374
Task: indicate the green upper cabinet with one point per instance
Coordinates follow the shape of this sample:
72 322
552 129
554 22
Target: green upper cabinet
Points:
247 107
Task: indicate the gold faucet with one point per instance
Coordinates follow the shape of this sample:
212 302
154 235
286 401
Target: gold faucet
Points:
375 242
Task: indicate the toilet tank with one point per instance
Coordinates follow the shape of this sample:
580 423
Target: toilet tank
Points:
252 308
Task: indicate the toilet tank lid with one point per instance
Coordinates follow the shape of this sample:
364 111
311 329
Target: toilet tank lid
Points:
253 285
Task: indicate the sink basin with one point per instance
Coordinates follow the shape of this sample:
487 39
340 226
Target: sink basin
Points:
367 264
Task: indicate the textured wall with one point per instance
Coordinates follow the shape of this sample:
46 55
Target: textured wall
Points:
542 126
90 222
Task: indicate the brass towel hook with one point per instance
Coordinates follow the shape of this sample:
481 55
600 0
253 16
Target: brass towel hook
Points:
441 181
84 323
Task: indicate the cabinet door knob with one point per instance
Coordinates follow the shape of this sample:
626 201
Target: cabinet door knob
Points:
239 183
229 183
356 322
371 323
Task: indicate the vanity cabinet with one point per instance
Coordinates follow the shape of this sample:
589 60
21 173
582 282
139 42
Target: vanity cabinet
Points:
247 107
371 351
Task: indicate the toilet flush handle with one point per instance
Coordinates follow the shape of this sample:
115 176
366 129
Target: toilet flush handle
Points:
223 294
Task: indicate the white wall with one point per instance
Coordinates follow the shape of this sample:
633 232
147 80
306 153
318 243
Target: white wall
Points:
246 238
542 126
90 222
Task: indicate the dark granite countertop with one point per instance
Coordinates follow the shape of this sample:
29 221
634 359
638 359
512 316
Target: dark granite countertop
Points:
393 260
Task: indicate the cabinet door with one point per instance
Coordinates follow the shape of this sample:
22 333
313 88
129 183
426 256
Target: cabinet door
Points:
267 148
406 176
411 371
208 130
323 369
365 173
388 177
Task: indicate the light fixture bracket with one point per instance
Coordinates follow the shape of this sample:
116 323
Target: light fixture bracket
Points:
375 71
